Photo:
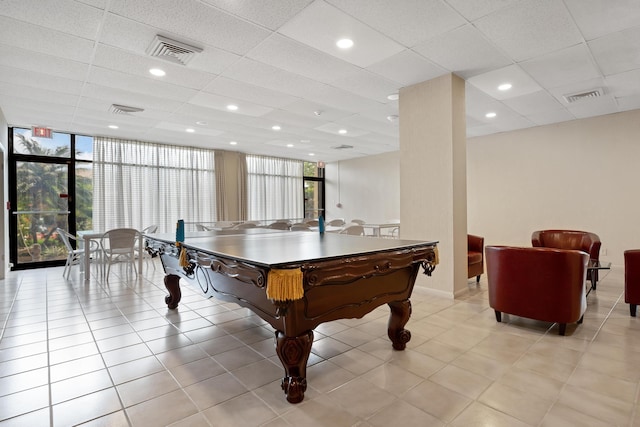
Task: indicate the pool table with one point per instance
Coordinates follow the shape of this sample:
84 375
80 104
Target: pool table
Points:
340 276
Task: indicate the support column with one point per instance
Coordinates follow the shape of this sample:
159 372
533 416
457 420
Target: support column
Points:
433 179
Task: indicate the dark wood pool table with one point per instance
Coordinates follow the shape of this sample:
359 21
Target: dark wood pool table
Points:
343 276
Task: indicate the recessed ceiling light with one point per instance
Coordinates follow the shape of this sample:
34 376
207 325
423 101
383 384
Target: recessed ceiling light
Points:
289 145
157 72
201 123
392 118
232 107
275 127
342 131
312 154
190 130
344 43
393 97
490 115
113 127
233 143
505 86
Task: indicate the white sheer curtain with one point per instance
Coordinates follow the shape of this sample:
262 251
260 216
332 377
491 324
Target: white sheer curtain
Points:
137 184
274 188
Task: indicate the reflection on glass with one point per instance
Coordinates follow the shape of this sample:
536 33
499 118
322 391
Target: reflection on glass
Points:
57 146
84 147
41 208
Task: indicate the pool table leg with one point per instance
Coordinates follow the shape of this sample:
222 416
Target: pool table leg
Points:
400 313
294 354
172 283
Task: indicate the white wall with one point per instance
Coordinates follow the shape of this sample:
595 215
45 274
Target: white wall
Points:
582 175
367 188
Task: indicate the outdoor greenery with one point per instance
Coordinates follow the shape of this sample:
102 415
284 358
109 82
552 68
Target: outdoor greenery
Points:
39 186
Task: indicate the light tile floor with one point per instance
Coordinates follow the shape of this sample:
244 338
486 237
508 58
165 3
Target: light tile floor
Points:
110 353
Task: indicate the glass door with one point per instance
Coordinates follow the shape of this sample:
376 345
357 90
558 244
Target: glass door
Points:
41 205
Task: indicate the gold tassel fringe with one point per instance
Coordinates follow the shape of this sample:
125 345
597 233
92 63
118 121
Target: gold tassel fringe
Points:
285 285
183 260
436 261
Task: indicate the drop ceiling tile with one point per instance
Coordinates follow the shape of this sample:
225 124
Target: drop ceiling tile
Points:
624 84
224 86
533 103
596 18
474 96
407 68
101 4
270 77
269 13
95 107
44 40
464 51
31 61
575 87
38 94
593 107
408 22
503 113
550 117
483 130
488 82
627 103
298 58
617 53
340 99
562 67
129 63
142 85
357 121
298 120
38 80
65 16
367 85
195 21
530 29
334 128
321 25
381 112
475 9
125 97
136 37
309 108
216 102
181 128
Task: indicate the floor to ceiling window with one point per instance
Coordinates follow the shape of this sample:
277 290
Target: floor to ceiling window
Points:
45 176
313 183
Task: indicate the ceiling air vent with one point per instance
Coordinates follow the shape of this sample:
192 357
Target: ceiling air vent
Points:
582 95
124 109
342 147
172 50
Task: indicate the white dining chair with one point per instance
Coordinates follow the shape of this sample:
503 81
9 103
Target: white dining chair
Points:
353 229
75 256
145 255
119 245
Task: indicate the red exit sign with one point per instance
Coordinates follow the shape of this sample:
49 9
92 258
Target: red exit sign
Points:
41 132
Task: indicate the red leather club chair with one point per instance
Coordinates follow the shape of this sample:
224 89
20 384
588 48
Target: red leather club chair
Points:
475 256
537 283
570 239
632 279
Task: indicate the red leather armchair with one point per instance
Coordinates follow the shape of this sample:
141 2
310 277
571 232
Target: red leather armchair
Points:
632 279
475 256
537 283
570 239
